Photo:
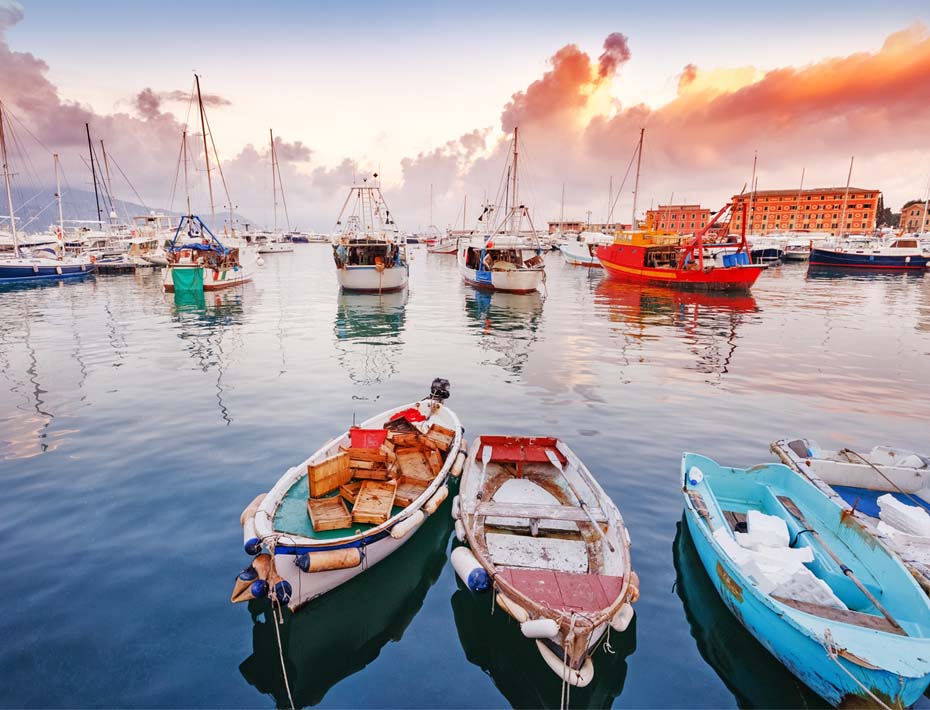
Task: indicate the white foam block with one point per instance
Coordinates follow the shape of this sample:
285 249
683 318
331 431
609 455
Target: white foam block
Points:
804 586
767 530
906 518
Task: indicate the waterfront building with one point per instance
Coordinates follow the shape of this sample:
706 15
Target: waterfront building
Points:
679 219
817 210
913 216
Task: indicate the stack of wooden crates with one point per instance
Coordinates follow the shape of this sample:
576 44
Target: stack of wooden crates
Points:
380 469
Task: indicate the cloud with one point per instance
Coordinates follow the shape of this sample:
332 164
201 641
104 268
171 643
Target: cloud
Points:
616 52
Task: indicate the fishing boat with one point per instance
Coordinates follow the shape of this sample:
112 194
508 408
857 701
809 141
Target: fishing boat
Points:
24 265
892 253
369 252
500 257
352 503
542 532
862 483
840 612
650 257
198 261
583 251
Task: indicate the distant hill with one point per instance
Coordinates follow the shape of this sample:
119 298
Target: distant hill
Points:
37 209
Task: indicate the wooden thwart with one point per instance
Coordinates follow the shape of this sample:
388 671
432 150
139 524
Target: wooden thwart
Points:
540 512
845 616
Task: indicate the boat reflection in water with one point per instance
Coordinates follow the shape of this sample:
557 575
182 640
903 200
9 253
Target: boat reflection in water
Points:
343 631
815 271
206 323
708 321
754 676
368 334
506 325
494 643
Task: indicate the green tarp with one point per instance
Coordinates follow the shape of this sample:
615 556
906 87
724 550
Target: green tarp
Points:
187 279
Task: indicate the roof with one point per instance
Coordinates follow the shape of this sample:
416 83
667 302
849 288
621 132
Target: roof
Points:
815 191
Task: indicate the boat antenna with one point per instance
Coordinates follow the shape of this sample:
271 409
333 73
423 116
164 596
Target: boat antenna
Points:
800 190
274 185
639 160
6 178
846 198
206 151
93 172
61 225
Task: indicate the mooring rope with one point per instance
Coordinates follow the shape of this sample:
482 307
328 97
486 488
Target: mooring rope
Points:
277 632
833 655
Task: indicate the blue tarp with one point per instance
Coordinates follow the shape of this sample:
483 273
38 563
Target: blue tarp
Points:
868 499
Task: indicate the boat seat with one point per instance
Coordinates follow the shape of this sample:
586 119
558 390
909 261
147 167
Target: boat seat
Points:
539 512
568 591
845 616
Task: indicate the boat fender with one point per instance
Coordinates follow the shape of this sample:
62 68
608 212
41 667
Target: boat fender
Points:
433 503
695 476
259 588
459 531
252 543
469 571
399 531
456 508
326 560
633 595
512 608
579 678
540 628
282 591
249 574
260 261
458 465
621 620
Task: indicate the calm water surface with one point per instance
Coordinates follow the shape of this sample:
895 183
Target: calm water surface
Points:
134 429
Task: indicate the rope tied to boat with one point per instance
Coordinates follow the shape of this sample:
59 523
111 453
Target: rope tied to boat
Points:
879 472
276 622
833 653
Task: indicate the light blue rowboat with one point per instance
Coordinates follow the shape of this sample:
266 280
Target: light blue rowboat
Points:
845 656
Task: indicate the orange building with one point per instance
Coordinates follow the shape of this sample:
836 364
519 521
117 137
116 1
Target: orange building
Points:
913 217
680 219
818 210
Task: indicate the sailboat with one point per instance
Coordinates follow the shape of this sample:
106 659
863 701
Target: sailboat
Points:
499 257
448 243
197 260
275 243
370 253
24 266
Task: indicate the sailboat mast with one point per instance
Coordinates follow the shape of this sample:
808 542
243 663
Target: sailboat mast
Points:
61 220
639 162
6 178
274 184
187 192
610 197
562 211
800 190
752 185
513 209
923 222
464 211
106 167
431 203
93 172
206 152
846 197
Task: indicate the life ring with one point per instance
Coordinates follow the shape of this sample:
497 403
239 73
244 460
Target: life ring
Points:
93 259
379 263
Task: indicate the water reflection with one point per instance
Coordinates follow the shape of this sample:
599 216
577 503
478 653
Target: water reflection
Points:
853 274
342 632
751 673
707 322
368 334
494 643
206 323
506 325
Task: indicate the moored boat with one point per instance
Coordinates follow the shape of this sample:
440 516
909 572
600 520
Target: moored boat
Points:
779 553
859 483
393 472
893 253
583 251
542 532
198 261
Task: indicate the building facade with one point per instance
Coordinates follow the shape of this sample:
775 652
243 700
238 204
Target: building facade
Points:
681 219
578 226
817 210
913 217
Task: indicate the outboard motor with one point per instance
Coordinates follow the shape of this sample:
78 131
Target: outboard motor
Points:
439 390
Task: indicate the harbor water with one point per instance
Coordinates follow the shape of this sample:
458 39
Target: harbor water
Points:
135 426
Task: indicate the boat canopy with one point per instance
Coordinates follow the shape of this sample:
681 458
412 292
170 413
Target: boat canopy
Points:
196 229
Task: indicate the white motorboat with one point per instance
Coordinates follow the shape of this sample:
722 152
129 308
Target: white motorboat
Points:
583 251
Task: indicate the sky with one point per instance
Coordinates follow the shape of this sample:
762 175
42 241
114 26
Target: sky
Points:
425 94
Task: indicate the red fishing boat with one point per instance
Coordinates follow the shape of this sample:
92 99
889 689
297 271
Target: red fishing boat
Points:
648 257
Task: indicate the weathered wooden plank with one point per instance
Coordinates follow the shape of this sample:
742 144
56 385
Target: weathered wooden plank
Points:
845 616
540 512
734 519
699 505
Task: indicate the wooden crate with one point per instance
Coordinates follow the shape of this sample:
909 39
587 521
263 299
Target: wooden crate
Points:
329 513
413 463
328 475
374 502
371 474
350 490
408 490
404 438
434 458
441 437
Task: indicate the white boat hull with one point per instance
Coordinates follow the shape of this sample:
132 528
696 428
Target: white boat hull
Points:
371 279
578 254
212 280
276 248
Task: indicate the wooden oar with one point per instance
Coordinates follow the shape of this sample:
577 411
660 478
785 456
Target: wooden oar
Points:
554 460
796 512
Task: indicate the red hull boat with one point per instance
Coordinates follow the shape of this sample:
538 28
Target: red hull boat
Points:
644 257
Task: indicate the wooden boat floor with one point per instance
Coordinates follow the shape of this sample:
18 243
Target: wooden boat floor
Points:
734 519
845 616
564 591
537 552
569 513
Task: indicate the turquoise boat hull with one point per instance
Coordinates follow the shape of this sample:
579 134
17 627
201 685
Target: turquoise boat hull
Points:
865 659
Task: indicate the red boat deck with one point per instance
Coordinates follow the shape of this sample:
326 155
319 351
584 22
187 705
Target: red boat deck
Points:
564 590
520 449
